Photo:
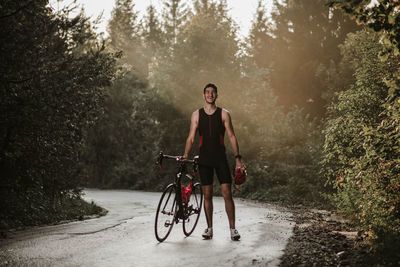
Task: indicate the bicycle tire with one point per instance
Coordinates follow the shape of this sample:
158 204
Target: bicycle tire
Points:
166 212
193 210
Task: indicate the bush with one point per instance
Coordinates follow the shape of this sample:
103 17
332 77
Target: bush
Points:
287 167
361 150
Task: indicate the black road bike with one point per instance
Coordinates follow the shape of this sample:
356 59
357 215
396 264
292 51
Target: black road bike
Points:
179 203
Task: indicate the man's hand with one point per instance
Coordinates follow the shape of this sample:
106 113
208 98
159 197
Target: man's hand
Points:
240 165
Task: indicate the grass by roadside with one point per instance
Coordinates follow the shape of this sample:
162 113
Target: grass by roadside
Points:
64 210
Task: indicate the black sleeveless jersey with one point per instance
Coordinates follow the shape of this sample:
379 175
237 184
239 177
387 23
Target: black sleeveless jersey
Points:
211 131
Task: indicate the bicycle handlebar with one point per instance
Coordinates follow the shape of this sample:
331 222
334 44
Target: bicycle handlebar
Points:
161 156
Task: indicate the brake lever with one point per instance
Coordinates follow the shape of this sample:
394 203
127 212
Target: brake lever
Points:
159 160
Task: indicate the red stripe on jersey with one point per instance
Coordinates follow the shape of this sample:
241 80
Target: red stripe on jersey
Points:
221 140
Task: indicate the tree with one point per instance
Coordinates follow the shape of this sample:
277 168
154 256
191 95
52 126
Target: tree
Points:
260 39
126 138
153 34
382 17
174 15
305 36
125 35
49 98
205 51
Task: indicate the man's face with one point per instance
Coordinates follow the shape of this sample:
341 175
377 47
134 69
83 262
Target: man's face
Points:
210 95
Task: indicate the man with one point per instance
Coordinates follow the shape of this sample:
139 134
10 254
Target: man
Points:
211 122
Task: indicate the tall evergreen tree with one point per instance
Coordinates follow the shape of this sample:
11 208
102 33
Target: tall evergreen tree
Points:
125 35
122 27
174 16
153 34
305 36
260 39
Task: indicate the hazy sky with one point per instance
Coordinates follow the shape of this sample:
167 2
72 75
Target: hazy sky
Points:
242 11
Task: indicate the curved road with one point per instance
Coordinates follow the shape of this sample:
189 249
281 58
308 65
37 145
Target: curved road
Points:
125 237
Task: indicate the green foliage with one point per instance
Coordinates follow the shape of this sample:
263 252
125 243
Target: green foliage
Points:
53 72
356 107
379 180
123 141
286 166
41 210
375 176
361 142
382 17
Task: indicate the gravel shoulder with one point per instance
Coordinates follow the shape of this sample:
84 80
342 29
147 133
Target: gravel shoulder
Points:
322 238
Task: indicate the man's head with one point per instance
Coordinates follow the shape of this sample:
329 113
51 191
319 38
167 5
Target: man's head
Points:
210 93
211 85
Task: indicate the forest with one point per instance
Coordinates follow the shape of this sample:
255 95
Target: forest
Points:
313 91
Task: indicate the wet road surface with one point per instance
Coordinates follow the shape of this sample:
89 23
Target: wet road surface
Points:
125 237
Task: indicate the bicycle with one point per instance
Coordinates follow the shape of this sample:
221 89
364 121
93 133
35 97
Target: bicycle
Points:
175 206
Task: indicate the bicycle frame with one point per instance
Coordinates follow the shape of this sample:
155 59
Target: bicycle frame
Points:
182 172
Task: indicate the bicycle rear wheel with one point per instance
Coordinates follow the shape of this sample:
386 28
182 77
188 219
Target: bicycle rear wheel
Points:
165 216
193 210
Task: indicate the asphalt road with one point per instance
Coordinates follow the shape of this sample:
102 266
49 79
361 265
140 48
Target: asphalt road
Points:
125 237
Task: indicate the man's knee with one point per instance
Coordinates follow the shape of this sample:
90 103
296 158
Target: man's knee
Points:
208 193
226 191
208 197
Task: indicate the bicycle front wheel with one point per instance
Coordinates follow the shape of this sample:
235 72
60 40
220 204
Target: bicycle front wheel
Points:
193 210
165 216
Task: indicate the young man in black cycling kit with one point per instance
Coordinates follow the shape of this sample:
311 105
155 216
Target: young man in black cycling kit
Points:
211 122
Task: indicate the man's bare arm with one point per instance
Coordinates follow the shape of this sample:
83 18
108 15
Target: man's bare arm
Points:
194 123
226 118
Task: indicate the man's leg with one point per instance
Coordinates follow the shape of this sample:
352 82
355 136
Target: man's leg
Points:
208 204
226 190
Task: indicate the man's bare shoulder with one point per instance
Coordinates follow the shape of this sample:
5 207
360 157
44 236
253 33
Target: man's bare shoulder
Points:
224 110
195 114
225 113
